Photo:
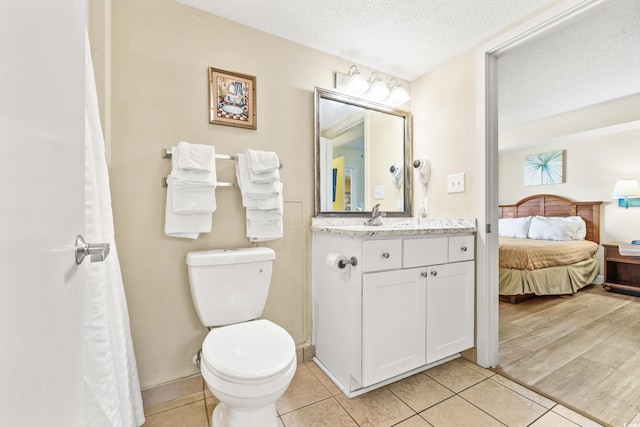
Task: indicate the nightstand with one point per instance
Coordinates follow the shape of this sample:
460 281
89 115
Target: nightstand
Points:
620 272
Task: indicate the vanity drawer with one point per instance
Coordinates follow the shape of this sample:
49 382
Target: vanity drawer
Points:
461 248
422 252
381 255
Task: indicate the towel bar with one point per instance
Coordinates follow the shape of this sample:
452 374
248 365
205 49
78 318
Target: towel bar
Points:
166 154
218 184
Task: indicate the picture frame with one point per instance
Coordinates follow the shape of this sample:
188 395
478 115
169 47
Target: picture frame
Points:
544 168
232 99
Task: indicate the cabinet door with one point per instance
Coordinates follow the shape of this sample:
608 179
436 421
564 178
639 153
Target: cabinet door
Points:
450 309
393 323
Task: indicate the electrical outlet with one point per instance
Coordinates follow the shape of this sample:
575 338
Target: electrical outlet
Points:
455 183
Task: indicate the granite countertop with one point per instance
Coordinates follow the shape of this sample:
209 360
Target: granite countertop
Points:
403 227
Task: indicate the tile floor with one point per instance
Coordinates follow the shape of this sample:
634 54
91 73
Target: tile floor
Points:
458 393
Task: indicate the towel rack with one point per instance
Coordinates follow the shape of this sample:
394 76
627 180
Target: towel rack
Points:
167 154
218 184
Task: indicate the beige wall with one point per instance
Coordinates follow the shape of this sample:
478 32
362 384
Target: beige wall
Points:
443 107
159 96
593 164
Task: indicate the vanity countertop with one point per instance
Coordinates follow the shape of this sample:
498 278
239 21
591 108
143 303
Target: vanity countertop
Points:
404 227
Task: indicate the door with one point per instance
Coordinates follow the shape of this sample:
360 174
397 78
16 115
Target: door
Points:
393 323
450 313
42 197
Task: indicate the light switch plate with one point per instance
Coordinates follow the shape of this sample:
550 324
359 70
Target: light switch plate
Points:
378 192
455 183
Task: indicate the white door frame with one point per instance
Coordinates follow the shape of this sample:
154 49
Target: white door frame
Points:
487 158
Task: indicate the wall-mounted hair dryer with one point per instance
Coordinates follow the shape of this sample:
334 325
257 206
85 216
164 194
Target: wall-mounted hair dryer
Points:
398 176
423 166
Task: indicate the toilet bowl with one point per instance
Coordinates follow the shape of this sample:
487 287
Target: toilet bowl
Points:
247 362
247 367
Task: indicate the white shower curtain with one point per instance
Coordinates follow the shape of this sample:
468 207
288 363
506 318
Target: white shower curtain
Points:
111 387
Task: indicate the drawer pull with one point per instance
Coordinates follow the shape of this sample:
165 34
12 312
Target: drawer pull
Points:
385 255
463 249
434 273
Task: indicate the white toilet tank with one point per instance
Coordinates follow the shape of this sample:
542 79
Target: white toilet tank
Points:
230 285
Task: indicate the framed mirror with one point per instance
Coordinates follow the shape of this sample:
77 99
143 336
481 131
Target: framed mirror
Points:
362 156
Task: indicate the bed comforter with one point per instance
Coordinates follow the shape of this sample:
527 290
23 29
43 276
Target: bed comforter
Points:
544 267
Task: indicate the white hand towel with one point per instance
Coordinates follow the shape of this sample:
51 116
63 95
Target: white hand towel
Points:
188 197
195 156
260 231
261 162
250 190
185 225
264 178
265 224
192 175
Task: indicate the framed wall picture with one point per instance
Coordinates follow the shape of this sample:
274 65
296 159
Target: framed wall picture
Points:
544 168
232 99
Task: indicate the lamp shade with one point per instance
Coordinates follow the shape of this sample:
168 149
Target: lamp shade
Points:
626 188
379 90
398 95
357 84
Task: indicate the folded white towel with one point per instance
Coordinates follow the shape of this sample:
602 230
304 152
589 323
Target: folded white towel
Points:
260 231
194 156
261 162
192 175
188 197
250 191
185 225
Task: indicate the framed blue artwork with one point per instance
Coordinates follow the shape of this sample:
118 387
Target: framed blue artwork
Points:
544 168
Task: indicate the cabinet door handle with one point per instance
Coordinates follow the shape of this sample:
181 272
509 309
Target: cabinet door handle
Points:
385 255
424 274
463 249
434 273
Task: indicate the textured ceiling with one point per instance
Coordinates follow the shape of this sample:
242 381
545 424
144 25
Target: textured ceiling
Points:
592 60
589 61
404 38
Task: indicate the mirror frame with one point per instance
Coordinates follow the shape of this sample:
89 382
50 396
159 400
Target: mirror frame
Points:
319 95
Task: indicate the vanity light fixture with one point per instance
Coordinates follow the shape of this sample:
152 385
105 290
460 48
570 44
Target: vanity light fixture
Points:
378 91
373 89
398 94
357 84
627 191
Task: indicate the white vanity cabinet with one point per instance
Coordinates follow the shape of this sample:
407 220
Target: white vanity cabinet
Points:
407 305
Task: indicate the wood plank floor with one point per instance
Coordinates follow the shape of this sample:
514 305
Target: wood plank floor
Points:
582 350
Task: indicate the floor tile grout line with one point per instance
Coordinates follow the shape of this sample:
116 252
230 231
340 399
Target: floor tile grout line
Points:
305 406
554 399
479 408
204 397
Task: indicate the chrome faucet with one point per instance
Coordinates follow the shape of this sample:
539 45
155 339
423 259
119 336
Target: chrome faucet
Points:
376 216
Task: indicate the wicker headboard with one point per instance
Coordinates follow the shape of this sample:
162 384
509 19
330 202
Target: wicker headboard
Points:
550 205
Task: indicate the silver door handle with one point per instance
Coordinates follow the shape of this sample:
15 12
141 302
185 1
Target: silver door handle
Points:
98 251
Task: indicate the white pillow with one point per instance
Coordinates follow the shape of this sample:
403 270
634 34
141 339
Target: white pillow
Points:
514 227
557 228
582 226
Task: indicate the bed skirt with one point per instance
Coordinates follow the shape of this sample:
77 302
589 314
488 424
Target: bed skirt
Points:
557 280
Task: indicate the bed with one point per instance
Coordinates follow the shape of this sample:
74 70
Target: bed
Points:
546 247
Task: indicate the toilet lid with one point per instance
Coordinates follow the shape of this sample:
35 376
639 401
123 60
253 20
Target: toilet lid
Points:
248 351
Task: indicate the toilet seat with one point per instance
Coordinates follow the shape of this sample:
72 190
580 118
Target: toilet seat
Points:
251 352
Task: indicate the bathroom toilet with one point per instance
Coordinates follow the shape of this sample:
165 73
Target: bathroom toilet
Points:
247 362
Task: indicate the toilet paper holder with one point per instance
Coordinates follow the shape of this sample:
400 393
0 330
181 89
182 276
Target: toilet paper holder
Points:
344 262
